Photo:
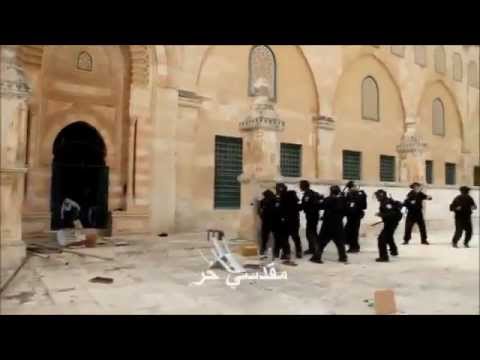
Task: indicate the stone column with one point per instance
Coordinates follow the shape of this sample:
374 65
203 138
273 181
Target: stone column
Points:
14 92
261 158
324 137
189 104
411 152
130 169
466 167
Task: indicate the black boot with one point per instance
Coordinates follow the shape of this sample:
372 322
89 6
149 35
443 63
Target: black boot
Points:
316 259
308 252
425 242
466 245
299 254
382 260
454 244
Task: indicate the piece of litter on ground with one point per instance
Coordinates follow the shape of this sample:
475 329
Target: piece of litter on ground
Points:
102 280
163 234
121 243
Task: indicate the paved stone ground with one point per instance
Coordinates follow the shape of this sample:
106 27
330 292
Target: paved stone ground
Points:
154 276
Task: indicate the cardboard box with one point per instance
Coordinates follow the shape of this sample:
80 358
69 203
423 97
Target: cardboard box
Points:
385 302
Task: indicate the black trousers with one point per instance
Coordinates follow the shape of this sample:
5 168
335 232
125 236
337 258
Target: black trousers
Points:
293 232
281 235
386 238
333 233
311 232
352 228
412 220
462 223
267 229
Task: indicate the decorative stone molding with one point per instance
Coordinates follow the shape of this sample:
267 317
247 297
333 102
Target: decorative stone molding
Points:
12 80
323 122
262 114
411 142
189 99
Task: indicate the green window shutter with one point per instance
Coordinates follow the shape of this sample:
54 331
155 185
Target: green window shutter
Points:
228 166
387 168
291 160
429 171
476 176
450 176
352 164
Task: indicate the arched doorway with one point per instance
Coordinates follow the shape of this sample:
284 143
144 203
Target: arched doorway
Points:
79 172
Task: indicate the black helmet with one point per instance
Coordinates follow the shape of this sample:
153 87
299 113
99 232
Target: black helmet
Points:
464 189
350 184
335 190
380 192
412 185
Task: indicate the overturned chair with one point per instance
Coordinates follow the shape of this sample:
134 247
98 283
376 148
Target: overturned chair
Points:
223 257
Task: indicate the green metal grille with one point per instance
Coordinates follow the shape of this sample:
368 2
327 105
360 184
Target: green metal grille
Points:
228 166
476 176
429 171
291 160
387 168
450 174
352 165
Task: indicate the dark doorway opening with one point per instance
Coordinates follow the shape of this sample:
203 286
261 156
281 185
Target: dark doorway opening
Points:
79 173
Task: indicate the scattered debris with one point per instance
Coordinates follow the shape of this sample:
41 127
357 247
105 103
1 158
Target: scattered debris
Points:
10 279
74 252
120 268
122 243
22 297
34 253
101 280
65 290
163 234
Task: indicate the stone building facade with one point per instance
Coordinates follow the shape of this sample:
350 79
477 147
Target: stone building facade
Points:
187 136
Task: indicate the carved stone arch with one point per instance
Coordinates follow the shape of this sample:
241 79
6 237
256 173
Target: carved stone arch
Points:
382 65
453 99
208 50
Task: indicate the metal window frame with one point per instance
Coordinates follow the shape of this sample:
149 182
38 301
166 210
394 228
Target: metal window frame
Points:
300 159
217 140
360 164
454 167
431 172
394 174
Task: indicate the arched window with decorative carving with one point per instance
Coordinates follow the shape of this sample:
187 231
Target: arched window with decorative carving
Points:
440 60
262 64
438 117
457 67
84 61
370 99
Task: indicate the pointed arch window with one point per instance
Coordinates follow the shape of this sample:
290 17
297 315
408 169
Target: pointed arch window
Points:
262 64
370 99
457 67
473 78
438 117
440 61
84 61
421 55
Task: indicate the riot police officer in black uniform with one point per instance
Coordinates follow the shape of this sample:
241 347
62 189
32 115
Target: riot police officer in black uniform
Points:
311 202
414 205
292 208
463 205
334 207
356 204
391 213
280 225
266 211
